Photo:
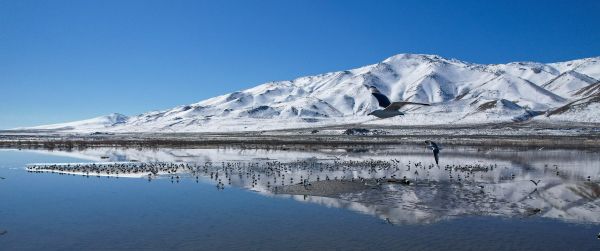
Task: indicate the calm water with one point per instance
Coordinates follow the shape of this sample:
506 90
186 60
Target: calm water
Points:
494 207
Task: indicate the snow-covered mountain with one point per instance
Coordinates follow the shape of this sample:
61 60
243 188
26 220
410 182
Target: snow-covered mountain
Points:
460 92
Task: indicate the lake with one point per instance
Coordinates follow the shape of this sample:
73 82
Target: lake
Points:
385 198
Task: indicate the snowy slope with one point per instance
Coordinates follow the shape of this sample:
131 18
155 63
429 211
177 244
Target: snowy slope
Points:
460 92
98 123
568 83
585 110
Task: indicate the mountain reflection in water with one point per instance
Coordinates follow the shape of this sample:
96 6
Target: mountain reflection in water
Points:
398 185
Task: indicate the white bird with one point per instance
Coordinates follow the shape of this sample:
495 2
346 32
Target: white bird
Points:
390 109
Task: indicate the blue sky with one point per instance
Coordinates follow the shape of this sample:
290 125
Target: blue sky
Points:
70 60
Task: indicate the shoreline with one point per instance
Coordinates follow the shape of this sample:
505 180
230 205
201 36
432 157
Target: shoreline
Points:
284 142
527 135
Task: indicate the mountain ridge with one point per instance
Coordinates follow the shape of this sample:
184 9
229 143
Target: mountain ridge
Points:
460 91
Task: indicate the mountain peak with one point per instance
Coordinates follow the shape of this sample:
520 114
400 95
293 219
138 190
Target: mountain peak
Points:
404 56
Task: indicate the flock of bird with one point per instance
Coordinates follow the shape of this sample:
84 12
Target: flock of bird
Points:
274 173
112 169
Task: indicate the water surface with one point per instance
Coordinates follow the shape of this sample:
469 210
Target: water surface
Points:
476 199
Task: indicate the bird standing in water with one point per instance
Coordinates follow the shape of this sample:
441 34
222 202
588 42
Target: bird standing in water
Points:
436 150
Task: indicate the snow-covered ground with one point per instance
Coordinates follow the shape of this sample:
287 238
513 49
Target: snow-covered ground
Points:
460 93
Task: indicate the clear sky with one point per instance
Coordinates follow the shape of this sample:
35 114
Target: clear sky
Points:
71 60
